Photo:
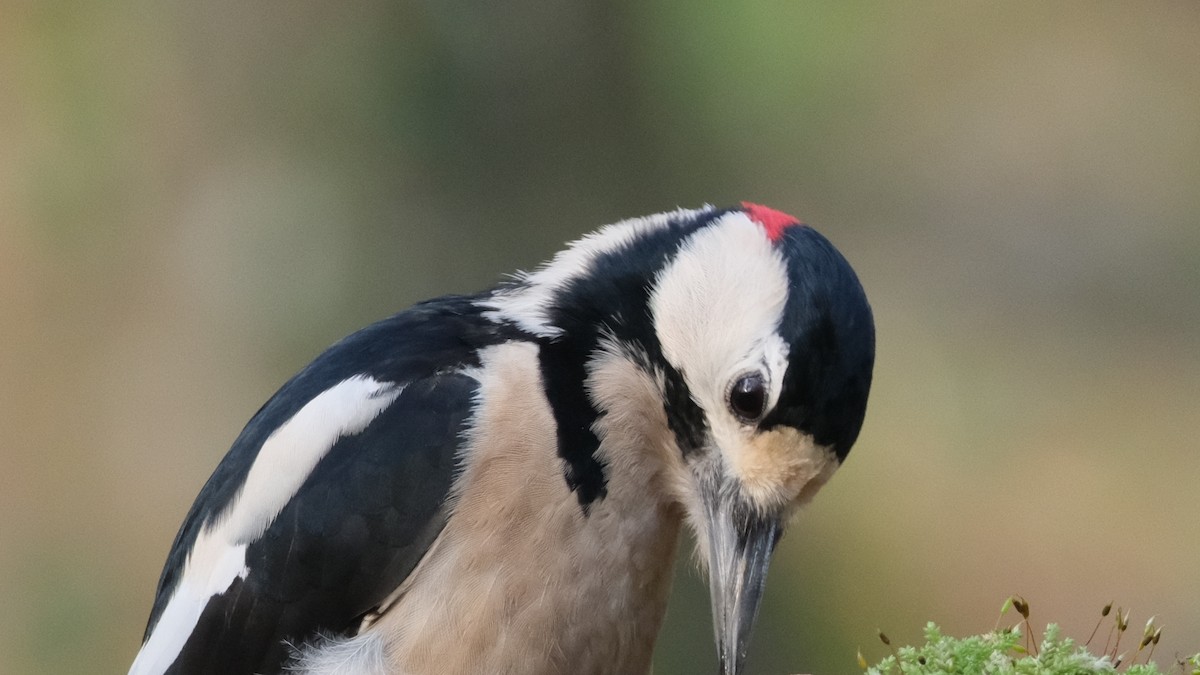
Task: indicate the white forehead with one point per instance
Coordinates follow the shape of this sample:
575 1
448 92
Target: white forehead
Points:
717 308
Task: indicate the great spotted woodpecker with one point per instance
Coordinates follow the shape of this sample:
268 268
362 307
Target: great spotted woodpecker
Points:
496 483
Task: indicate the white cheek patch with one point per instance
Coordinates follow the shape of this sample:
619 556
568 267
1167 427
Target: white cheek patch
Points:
284 462
717 308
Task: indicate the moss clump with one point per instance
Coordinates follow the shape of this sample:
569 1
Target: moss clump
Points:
1008 652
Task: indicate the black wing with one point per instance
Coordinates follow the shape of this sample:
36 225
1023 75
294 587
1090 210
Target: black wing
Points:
367 513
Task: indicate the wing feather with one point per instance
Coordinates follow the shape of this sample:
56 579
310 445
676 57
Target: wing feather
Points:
348 520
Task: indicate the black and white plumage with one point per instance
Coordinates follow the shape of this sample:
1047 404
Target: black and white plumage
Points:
496 483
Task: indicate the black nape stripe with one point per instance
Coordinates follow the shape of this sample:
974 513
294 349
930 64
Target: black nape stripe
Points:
684 416
612 300
563 363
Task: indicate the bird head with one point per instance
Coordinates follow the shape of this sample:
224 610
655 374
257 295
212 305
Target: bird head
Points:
758 338
769 341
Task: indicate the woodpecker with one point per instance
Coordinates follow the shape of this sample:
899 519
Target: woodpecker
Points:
497 483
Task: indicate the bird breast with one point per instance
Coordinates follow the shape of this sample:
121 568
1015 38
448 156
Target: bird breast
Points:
521 580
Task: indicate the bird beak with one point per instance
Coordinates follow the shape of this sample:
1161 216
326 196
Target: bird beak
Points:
740 547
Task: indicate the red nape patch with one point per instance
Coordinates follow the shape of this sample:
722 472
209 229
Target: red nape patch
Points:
772 221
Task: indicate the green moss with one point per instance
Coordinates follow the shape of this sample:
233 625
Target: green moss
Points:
1008 652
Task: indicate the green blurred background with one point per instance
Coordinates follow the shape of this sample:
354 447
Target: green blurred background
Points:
196 198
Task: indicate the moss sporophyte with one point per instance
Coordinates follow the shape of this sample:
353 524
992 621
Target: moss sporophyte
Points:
1010 651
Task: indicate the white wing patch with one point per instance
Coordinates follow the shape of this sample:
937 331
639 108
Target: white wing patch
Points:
525 305
179 618
292 451
284 462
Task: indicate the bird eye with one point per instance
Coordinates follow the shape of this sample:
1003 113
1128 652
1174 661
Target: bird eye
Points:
748 397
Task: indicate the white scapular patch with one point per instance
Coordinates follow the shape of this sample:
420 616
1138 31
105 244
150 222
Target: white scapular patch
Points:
525 305
284 462
717 308
293 450
179 617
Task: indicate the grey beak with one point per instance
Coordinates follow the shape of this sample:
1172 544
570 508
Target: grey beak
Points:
740 548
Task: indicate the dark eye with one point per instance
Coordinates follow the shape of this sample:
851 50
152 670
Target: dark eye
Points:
748 397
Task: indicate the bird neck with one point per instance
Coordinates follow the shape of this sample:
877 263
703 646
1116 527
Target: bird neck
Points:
527 579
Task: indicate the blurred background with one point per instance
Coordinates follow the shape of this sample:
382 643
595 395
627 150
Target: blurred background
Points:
197 198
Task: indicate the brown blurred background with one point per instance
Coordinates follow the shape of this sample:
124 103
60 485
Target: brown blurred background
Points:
196 198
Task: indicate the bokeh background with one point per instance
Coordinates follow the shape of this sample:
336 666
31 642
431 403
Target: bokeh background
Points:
196 198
